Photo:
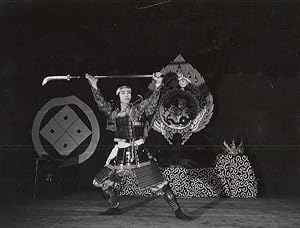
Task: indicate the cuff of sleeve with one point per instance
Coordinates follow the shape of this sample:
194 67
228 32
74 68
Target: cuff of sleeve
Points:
157 85
96 91
96 88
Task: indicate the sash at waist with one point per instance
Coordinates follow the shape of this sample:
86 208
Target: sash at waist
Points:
121 144
117 140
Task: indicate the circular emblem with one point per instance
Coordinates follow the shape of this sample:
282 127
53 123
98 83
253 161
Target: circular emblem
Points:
62 128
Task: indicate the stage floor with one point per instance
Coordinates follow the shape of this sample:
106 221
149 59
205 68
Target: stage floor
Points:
81 210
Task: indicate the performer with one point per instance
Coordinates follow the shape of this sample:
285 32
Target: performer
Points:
130 156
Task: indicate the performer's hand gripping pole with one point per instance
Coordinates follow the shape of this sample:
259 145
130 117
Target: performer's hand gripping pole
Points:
69 77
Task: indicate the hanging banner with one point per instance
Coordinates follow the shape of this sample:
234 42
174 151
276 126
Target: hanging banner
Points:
186 106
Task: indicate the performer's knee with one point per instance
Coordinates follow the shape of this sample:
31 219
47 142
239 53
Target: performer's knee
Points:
96 183
166 187
108 192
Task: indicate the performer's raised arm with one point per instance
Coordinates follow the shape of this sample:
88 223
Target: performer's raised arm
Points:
103 105
149 105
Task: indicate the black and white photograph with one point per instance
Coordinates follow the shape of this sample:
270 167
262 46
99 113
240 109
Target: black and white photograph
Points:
149 113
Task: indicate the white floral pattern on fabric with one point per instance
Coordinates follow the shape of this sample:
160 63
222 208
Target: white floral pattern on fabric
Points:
233 176
188 183
237 176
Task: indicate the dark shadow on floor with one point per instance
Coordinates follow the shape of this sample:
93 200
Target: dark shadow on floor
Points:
138 204
212 204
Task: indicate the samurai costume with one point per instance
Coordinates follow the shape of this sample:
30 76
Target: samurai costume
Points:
130 156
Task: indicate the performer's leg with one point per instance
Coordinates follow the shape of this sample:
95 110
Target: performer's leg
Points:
171 200
111 196
108 180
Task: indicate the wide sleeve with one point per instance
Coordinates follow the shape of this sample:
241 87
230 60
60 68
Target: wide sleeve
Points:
103 105
149 105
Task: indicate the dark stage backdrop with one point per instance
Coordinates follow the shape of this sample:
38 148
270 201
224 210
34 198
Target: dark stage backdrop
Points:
248 53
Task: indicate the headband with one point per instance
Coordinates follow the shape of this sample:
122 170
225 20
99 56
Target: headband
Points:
120 88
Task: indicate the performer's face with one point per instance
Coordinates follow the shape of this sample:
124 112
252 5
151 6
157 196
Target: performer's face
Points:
125 95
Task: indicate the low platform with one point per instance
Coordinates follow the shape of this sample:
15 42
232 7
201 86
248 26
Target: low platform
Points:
81 210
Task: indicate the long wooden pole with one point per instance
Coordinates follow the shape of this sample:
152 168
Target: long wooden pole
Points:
69 77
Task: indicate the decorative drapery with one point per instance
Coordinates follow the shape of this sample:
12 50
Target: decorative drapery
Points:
232 176
186 105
